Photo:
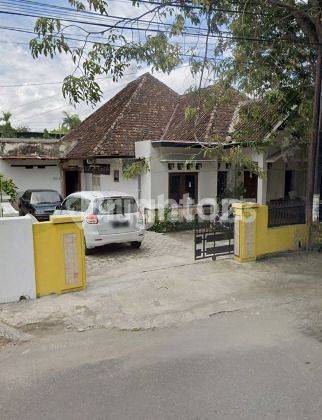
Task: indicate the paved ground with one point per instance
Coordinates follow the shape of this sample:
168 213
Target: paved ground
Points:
238 341
161 285
251 364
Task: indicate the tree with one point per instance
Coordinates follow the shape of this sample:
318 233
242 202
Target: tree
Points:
70 121
6 129
270 49
8 187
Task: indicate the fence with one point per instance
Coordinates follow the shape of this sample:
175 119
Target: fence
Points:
254 239
284 213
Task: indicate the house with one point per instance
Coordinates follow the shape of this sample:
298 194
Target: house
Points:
32 162
146 120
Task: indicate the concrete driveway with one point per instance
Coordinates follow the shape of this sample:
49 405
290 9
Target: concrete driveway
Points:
161 285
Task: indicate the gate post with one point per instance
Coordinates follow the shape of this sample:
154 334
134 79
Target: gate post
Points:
245 231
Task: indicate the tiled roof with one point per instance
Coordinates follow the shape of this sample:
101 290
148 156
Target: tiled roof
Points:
146 109
209 123
140 111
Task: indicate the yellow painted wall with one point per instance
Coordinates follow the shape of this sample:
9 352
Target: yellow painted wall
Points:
256 239
59 255
278 239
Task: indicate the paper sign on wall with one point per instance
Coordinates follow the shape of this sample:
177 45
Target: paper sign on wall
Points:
71 259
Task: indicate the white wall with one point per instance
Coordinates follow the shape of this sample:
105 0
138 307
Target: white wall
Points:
156 182
207 181
276 180
17 268
48 177
129 186
107 182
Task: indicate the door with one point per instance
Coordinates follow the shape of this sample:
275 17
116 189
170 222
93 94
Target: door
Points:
174 187
183 185
190 186
288 184
250 184
221 183
72 182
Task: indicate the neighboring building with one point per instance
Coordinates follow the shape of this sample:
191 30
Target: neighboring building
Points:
31 162
147 120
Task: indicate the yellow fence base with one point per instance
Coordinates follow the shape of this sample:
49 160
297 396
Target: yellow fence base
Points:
59 255
254 239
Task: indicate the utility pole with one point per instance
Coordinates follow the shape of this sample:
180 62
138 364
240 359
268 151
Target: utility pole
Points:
313 148
318 172
317 152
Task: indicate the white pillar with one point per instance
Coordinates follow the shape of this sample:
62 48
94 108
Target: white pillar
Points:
262 181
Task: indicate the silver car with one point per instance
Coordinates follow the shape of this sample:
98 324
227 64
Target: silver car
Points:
109 217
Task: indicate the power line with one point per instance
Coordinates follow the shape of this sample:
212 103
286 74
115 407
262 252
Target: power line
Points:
73 11
23 30
220 35
54 83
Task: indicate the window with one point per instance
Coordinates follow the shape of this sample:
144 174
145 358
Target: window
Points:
116 175
129 205
116 206
96 182
75 204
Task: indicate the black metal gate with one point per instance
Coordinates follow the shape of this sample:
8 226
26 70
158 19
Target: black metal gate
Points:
213 240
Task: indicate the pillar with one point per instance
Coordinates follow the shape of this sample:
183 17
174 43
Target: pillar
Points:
245 231
262 181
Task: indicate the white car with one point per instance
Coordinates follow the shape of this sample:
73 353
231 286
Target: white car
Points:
109 217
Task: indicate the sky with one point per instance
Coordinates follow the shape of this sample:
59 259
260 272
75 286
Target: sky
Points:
41 104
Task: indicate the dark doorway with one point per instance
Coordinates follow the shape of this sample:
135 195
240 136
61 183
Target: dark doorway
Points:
288 183
250 184
221 183
72 183
183 184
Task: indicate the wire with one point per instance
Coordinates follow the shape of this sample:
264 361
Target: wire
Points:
23 30
54 83
98 15
220 35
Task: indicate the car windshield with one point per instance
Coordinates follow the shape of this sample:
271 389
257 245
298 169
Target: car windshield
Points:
44 197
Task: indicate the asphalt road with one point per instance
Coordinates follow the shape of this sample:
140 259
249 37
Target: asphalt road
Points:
239 365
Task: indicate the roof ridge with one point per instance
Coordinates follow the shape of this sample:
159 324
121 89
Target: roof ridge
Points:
121 114
170 121
210 123
148 74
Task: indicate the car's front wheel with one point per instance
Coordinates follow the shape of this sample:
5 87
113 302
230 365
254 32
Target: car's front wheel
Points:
136 244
